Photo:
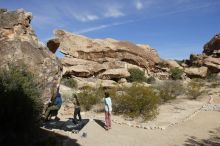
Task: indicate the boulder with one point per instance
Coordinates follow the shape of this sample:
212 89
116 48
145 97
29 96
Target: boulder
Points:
122 80
171 64
210 57
196 71
115 74
19 45
213 64
101 54
213 46
81 68
95 83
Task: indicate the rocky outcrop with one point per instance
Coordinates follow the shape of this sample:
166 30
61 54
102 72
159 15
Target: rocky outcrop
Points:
210 57
95 83
101 58
213 46
115 74
171 64
19 45
196 71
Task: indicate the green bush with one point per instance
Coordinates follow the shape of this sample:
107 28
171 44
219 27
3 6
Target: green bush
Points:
20 104
169 90
176 73
69 82
137 100
194 89
90 96
136 75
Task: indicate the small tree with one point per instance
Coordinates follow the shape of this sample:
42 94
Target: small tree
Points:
136 75
176 73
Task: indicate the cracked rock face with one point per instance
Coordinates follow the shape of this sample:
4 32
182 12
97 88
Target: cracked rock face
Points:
103 58
19 45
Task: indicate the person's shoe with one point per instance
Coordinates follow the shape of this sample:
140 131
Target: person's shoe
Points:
74 122
106 127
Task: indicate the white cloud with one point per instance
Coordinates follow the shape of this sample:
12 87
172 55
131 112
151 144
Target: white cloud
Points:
91 29
113 11
85 17
138 5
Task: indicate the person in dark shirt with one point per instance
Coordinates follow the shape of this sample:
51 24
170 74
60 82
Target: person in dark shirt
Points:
55 106
76 110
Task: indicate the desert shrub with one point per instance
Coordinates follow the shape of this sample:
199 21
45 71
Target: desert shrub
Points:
137 100
69 82
90 96
20 104
67 97
194 89
176 73
136 75
214 80
169 90
212 77
151 80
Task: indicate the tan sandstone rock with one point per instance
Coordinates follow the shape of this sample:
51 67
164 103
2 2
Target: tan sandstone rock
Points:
19 45
172 64
115 74
101 55
210 57
196 71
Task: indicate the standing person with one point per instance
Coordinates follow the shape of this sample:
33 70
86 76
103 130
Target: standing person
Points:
76 110
108 110
55 105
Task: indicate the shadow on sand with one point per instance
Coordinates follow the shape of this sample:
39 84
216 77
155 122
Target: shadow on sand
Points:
213 140
39 137
100 123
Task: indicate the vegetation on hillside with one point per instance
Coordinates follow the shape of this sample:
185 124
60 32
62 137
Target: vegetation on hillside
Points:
169 90
176 73
69 82
136 75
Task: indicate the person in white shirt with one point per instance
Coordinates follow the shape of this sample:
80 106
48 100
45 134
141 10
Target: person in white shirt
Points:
108 110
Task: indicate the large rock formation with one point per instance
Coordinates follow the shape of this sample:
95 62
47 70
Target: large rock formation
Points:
196 71
19 45
210 57
101 58
213 46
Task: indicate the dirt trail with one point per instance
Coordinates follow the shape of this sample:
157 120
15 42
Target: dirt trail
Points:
202 126
203 129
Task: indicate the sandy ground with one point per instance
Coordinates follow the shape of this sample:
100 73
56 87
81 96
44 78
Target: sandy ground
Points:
203 129
199 128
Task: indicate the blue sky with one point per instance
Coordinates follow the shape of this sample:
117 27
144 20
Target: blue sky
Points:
175 28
